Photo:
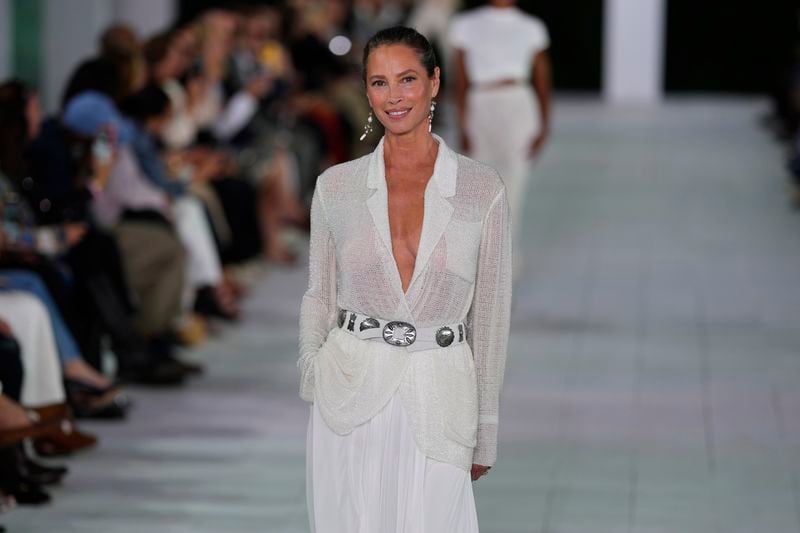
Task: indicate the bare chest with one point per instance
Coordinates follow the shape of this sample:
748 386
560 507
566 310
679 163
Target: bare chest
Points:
406 204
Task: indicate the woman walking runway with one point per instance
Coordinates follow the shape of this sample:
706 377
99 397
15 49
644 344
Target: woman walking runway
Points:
405 322
502 85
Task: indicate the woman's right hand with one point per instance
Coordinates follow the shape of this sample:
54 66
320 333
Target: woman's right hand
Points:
101 169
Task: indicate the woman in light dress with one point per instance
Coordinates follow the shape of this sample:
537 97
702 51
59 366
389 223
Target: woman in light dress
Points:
502 87
405 322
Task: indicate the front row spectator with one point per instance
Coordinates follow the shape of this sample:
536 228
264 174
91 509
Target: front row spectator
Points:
51 176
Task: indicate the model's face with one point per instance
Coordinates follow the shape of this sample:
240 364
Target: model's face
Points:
399 89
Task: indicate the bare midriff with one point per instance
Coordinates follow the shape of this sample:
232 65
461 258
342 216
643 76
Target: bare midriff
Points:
497 84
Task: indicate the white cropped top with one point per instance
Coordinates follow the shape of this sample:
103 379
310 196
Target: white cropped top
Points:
499 43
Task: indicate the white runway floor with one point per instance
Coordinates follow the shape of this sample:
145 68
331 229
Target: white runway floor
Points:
653 382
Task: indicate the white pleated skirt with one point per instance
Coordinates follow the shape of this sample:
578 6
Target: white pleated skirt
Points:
375 480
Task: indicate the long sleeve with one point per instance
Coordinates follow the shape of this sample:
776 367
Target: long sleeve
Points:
488 323
237 114
318 309
147 156
181 130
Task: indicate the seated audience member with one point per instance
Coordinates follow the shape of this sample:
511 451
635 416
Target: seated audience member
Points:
154 260
42 387
193 91
149 110
58 176
120 45
90 394
22 479
131 195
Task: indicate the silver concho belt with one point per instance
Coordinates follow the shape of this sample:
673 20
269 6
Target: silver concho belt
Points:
401 334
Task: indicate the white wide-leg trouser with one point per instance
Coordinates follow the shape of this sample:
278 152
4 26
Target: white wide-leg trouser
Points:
375 480
204 267
503 122
30 323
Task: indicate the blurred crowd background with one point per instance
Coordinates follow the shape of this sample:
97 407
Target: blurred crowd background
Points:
156 155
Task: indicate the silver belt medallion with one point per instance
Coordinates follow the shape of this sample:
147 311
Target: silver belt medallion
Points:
399 333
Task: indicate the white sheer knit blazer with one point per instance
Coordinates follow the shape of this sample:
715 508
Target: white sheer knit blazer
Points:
462 274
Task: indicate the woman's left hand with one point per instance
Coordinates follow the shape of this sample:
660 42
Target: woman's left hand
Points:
479 471
538 143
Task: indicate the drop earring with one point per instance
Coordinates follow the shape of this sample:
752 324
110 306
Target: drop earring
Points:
430 115
367 127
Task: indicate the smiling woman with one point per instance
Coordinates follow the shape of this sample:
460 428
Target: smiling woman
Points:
402 80
404 326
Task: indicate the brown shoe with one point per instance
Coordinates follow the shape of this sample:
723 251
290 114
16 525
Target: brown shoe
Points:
12 436
66 440
51 413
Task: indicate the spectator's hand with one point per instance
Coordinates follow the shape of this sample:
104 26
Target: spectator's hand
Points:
538 143
174 160
466 142
196 90
211 167
74 232
103 156
101 169
5 329
231 166
479 471
260 85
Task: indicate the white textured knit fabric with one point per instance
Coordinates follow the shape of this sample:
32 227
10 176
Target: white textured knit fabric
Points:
462 273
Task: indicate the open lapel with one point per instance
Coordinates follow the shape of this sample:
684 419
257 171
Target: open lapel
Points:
378 203
437 209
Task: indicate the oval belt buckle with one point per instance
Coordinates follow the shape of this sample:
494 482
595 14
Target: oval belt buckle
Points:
399 333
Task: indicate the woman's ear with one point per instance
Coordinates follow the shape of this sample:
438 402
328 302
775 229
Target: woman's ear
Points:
436 80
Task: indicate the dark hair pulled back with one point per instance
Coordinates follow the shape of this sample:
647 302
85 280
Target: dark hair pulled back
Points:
14 96
401 35
151 101
96 74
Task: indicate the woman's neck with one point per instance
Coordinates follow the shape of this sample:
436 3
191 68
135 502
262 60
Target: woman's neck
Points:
502 5
410 150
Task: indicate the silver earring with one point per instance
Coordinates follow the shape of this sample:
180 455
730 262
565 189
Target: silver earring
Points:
430 115
367 127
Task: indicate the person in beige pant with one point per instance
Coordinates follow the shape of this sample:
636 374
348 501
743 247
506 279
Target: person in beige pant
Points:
155 266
